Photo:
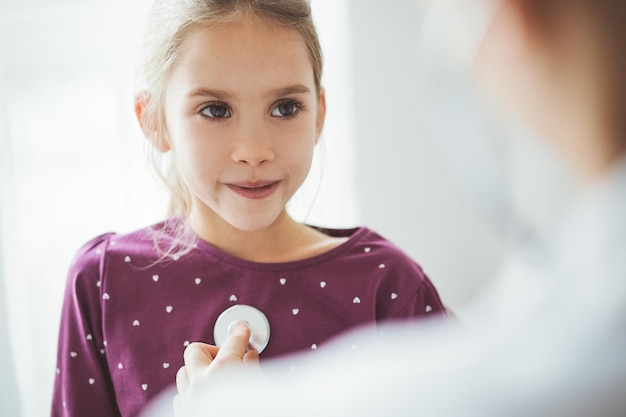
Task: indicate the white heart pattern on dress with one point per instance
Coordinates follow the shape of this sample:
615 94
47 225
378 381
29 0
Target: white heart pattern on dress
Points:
394 295
106 296
381 266
120 366
356 300
295 311
155 278
136 323
169 309
323 284
198 281
367 250
233 298
283 281
73 354
429 309
92 381
166 365
144 387
127 259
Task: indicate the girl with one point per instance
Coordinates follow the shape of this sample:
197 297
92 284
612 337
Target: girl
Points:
231 89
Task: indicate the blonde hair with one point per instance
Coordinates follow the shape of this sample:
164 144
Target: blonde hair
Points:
168 24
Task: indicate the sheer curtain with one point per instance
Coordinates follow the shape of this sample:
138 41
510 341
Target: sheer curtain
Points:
73 164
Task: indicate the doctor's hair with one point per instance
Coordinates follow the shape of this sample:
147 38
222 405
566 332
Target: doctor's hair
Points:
167 26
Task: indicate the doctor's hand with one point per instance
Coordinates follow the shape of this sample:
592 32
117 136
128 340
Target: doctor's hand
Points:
203 362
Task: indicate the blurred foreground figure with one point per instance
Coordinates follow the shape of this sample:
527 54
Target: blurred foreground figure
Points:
559 66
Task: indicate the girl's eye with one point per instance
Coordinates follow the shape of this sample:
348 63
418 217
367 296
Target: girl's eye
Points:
216 111
287 108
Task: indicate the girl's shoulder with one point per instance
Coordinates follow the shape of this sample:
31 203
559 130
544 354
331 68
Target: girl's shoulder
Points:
364 243
91 252
137 244
399 278
364 238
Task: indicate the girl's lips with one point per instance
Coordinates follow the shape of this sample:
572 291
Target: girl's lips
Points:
255 191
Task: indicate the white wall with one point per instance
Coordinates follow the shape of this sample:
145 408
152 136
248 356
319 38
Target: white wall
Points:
9 397
72 161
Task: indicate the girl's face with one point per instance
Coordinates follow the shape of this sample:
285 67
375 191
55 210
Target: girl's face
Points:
242 118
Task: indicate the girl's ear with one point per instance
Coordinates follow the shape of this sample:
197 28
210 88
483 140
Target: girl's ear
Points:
149 124
321 114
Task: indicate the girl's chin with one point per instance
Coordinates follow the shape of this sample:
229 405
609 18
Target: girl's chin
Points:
253 224
238 219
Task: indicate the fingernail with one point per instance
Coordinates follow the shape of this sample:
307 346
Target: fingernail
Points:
242 324
237 326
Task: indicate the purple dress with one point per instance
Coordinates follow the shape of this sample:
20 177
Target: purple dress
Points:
126 320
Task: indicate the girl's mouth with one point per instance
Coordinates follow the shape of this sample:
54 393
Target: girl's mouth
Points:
254 190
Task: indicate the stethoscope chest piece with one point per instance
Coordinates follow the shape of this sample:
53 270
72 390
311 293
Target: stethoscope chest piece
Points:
252 317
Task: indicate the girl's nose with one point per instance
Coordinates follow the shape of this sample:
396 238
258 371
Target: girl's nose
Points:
253 147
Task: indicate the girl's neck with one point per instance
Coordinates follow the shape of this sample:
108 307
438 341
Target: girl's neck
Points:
284 240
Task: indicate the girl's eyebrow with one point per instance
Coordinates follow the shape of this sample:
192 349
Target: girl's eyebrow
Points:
208 92
224 95
292 89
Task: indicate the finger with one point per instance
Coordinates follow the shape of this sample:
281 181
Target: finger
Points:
235 346
198 356
251 357
178 406
182 380
212 349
